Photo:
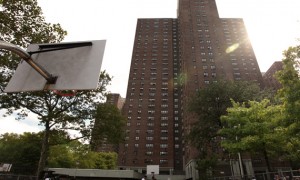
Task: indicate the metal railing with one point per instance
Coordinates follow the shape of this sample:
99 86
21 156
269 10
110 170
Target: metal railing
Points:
16 177
280 175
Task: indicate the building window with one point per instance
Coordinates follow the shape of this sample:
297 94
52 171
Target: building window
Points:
149 153
149 138
163 161
163 153
163 138
150 124
150 131
164 146
164 124
164 112
149 145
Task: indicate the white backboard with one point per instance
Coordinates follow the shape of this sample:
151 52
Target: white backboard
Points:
152 169
76 68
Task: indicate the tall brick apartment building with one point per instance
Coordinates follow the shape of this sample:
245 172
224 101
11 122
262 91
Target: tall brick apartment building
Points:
171 60
270 80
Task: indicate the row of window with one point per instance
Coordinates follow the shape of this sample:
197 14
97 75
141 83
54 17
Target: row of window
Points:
152 145
152 124
151 94
152 112
162 153
163 118
151 131
149 138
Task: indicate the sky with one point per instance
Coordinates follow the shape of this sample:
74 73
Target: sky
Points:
272 25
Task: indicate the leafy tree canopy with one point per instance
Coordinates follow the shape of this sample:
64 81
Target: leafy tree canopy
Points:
108 126
211 102
253 127
208 105
290 96
22 151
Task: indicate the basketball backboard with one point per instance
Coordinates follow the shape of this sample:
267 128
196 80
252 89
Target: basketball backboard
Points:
152 169
75 64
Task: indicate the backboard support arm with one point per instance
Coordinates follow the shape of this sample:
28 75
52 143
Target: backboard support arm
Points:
26 56
57 47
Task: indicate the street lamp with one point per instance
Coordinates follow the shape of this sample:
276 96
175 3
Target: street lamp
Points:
239 156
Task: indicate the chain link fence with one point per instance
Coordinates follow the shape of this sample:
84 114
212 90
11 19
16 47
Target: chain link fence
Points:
280 175
16 177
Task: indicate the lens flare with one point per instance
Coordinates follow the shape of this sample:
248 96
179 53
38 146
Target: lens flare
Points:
232 48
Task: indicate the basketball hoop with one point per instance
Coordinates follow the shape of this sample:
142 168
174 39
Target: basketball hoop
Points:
66 93
61 66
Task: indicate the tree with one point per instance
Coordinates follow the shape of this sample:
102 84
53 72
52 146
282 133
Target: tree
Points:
106 160
108 126
290 97
22 24
209 104
22 151
78 155
254 127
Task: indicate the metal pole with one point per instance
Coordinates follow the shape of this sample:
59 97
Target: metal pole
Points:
241 165
25 56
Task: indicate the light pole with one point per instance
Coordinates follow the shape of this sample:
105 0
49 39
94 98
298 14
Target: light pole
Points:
239 156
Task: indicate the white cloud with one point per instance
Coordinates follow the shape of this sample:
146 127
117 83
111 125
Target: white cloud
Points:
10 125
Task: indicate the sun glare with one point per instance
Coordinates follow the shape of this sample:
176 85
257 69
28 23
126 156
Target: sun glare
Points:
273 29
270 36
272 25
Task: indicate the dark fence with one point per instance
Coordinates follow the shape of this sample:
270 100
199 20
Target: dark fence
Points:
16 177
281 175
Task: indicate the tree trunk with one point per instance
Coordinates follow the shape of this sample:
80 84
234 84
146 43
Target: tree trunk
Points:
267 160
44 152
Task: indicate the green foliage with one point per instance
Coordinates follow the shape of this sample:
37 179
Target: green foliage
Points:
289 78
106 160
77 155
22 151
62 155
290 96
211 102
108 126
252 128
209 105
205 165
